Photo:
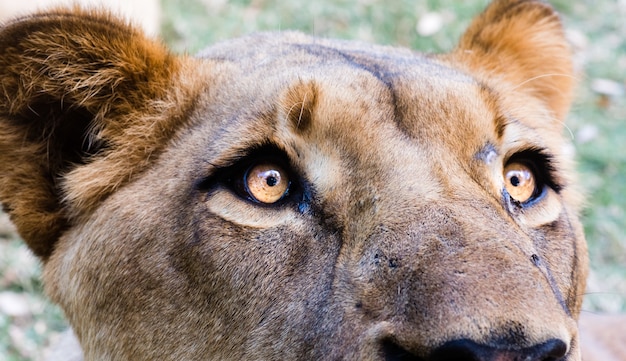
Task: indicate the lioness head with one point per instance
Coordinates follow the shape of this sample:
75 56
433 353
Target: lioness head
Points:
286 197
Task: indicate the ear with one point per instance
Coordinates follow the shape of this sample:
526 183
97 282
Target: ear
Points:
85 100
523 42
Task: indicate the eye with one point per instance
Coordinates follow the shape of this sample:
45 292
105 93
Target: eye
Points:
520 182
266 183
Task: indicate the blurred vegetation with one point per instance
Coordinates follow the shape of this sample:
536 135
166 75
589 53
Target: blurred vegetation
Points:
597 122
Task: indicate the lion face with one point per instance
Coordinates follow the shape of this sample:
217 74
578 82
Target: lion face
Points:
287 197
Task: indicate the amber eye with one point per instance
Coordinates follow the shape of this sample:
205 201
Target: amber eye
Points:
520 182
266 183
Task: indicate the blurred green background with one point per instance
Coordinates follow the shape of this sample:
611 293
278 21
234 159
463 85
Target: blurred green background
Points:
597 123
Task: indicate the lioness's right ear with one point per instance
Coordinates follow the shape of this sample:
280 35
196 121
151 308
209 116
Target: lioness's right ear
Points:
85 100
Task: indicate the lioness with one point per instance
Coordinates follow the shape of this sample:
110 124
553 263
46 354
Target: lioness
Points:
286 197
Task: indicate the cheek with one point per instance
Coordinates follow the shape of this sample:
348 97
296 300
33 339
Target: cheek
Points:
262 269
58 283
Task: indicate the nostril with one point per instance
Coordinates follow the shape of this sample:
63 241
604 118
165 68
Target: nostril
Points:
393 352
552 350
466 350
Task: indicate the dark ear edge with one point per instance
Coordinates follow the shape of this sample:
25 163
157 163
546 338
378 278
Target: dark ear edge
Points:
79 88
523 41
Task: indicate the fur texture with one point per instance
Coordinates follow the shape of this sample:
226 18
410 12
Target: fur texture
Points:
133 174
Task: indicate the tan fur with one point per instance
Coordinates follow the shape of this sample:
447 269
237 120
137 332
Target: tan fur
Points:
397 240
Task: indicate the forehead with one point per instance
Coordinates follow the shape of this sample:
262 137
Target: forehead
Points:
361 86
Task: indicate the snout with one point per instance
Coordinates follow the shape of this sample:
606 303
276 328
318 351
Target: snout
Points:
452 291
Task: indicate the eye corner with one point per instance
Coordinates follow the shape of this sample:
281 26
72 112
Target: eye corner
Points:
208 180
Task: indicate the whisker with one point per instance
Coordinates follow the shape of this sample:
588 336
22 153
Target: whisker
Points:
605 294
564 124
302 110
545 76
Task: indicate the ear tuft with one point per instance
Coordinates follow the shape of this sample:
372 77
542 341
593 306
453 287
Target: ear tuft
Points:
522 41
85 101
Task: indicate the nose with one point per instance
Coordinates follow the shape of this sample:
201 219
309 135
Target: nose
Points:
467 350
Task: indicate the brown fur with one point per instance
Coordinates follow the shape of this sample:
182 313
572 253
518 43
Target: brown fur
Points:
397 240
81 90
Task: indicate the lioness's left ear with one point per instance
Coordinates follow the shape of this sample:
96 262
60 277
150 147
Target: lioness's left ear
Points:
522 41
85 101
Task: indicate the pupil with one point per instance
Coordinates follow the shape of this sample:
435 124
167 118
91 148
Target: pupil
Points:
271 181
515 181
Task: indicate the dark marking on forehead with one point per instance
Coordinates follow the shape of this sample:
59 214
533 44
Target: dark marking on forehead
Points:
491 98
397 72
500 122
299 104
374 65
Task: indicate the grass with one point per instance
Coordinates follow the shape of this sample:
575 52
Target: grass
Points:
597 122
